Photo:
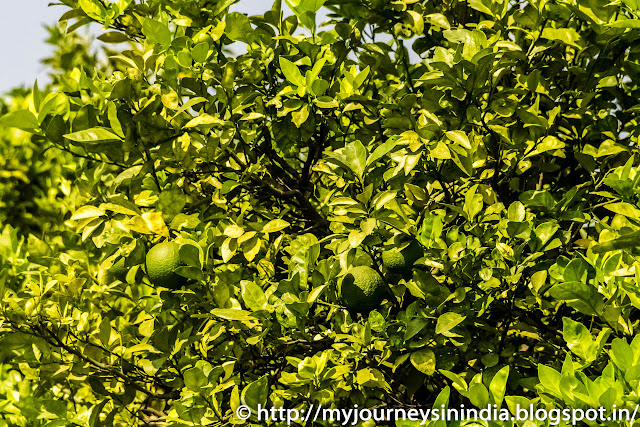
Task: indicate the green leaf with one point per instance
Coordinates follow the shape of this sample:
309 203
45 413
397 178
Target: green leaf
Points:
353 157
457 381
238 27
171 202
188 104
233 314
300 116
376 320
448 321
462 159
498 385
221 5
517 212
623 242
305 10
576 271
200 52
37 95
625 209
371 377
291 72
55 104
251 247
414 327
549 143
305 5
112 115
381 199
473 203
93 9
194 379
87 212
203 120
253 296
191 253
312 75
114 37
318 88
55 423
566 35
356 155
93 135
625 23
439 20
479 395
256 393
505 106
546 231
20 119
315 293
431 229
459 138
440 151
424 361
578 338
537 198
356 238
622 354
579 295
94 419
610 148
381 151
275 225
234 231
157 32
442 401
304 253
549 378
57 407
473 41
480 6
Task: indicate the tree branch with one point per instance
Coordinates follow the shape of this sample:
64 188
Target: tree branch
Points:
319 222
314 156
266 134
53 339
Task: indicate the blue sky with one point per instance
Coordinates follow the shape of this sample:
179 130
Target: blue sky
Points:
22 37
22 40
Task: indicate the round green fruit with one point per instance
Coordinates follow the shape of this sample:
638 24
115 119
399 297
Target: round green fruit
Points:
162 261
400 260
362 289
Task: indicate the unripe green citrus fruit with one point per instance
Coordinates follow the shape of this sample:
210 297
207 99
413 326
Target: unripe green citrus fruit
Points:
162 261
400 260
362 289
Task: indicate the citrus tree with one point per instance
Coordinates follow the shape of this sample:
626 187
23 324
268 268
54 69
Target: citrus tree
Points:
415 204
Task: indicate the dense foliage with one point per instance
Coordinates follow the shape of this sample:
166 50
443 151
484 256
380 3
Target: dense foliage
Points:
508 152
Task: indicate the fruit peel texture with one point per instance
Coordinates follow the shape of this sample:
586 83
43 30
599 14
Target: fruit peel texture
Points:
162 261
362 289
